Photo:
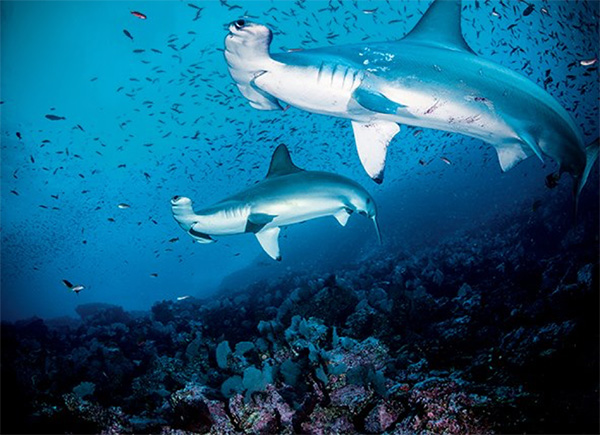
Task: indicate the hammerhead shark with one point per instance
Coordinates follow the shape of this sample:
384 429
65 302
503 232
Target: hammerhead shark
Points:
288 195
430 78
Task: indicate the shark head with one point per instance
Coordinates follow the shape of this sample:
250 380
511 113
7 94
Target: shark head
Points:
187 219
247 55
252 36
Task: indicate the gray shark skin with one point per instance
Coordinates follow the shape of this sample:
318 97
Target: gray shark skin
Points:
288 195
430 78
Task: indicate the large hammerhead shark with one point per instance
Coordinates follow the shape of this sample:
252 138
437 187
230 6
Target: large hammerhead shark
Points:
430 78
288 195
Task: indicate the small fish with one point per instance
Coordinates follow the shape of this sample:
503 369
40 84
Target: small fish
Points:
446 161
19 135
74 288
588 62
139 15
174 239
123 206
369 11
183 298
55 118
77 289
111 220
528 10
126 32
154 275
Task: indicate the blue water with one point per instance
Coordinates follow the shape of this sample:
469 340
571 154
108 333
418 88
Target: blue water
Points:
140 128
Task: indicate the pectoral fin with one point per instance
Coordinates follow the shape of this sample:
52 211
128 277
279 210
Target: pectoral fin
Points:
375 101
260 99
342 216
269 241
372 139
200 237
257 221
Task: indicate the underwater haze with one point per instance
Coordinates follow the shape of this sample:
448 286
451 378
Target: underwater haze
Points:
109 109
157 115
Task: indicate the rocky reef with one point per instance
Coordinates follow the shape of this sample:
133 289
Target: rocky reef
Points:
495 330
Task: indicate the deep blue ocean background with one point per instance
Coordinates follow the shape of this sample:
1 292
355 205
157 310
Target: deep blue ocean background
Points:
156 114
176 116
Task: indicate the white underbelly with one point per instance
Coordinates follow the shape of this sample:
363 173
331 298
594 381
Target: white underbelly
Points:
467 115
299 210
326 89
228 221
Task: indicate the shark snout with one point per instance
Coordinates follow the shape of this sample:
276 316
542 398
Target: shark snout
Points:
236 26
180 200
250 31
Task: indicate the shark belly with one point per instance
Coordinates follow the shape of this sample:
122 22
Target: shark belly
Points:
462 93
429 87
224 219
301 210
300 197
324 88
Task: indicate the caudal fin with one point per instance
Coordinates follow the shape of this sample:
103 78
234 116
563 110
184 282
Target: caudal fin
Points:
591 155
376 224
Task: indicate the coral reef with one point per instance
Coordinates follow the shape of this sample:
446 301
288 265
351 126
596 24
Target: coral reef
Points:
491 331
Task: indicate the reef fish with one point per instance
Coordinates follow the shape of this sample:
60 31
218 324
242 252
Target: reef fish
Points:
430 78
74 288
288 195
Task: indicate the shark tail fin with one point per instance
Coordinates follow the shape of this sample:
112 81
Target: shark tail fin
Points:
591 155
376 224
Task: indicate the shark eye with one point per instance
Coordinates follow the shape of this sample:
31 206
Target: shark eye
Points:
239 24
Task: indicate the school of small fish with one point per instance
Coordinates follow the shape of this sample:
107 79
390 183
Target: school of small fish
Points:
183 91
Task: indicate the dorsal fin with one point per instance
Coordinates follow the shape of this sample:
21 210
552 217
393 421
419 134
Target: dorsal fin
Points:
440 27
281 163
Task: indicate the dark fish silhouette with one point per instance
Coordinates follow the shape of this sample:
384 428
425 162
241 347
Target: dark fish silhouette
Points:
55 118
